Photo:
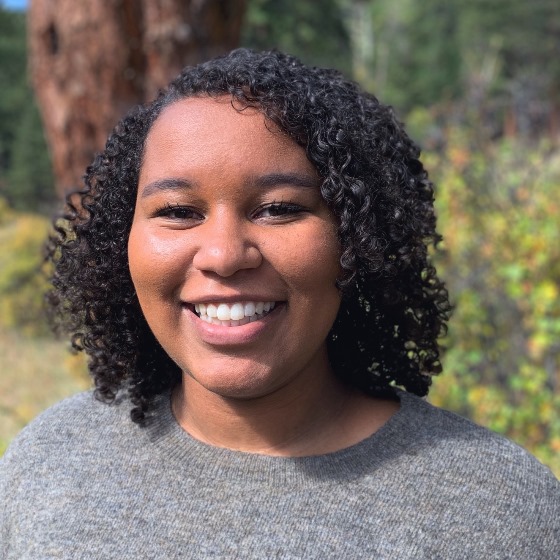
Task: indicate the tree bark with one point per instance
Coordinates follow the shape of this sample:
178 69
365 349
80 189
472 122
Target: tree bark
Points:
90 61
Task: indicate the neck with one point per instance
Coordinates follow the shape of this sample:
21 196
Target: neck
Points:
302 418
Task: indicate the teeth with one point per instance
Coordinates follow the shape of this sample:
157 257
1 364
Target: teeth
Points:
223 313
239 313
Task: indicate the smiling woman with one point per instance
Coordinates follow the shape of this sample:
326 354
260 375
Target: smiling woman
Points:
247 268
252 233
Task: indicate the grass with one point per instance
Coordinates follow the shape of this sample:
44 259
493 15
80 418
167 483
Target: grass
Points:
36 373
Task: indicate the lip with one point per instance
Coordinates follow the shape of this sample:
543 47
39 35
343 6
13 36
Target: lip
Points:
221 298
219 335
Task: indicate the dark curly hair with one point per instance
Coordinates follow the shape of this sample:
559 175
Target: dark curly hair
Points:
394 307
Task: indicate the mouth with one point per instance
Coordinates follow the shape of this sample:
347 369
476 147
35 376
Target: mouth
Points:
233 314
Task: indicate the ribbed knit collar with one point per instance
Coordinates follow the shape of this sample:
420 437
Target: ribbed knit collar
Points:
196 458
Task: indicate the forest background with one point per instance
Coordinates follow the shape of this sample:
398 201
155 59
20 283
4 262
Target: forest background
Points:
478 84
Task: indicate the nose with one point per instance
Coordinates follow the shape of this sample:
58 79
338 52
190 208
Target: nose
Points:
225 248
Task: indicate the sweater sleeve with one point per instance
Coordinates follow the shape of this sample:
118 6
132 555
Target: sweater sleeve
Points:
26 453
9 481
4 500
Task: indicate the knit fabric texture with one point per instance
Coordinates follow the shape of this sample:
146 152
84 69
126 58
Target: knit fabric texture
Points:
84 481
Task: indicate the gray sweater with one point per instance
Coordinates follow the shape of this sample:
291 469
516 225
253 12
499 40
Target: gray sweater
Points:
83 481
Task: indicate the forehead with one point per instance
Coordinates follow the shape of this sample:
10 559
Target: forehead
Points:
209 120
202 132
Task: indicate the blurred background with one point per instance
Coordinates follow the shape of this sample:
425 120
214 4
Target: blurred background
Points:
478 84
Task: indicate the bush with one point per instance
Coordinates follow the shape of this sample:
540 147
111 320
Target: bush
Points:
22 279
498 209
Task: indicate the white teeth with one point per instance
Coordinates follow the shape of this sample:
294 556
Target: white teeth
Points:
223 312
236 314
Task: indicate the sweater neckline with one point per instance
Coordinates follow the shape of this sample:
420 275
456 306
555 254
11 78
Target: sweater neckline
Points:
197 458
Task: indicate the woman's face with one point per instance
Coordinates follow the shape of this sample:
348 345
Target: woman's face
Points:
233 251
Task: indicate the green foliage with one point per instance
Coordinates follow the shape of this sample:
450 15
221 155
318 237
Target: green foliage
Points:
497 58
12 78
498 209
22 282
30 178
313 31
26 179
422 67
527 33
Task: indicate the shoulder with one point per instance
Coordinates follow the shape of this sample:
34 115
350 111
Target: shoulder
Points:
69 456
80 418
78 412
461 441
460 487
47 443
461 467
65 444
465 448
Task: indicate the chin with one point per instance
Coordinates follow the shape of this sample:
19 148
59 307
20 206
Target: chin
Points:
240 386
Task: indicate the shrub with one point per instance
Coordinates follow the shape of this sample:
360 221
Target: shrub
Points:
498 209
22 280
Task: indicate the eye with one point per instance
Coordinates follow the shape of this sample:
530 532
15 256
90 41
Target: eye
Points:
278 209
178 213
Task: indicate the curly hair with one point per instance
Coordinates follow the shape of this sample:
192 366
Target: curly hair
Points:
394 307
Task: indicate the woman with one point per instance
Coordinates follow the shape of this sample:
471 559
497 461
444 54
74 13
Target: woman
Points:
247 269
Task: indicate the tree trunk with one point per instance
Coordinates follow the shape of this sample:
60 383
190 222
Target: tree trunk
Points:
92 60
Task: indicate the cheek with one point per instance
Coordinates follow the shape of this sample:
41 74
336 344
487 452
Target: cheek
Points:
154 262
325 254
313 263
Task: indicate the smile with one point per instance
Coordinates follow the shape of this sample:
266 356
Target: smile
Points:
235 314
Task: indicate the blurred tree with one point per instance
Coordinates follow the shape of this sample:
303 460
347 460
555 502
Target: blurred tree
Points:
313 31
404 51
92 60
433 56
490 62
30 179
357 17
511 62
25 175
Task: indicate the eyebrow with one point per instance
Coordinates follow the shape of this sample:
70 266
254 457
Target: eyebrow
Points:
166 185
261 181
276 179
